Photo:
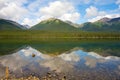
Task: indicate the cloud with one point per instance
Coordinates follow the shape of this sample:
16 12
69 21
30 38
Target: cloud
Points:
30 21
93 11
58 7
118 2
32 12
99 17
35 11
28 51
93 58
61 10
2 4
12 61
34 5
70 57
12 11
58 64
93 14
16 11
71 17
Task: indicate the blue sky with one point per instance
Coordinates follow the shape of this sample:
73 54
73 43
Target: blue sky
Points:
31 12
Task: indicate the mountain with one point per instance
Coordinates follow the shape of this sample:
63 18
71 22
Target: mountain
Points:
105 19
73 24
104 24
9 25
26 26
53 24
115 20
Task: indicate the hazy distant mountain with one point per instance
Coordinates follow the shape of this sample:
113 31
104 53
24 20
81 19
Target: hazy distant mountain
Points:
53 24
105 19
104 24
9 25
115 20
26 26
73 24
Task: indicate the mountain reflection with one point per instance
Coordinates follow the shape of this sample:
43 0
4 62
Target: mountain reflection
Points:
72 62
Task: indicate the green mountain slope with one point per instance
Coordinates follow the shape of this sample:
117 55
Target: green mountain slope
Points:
104 24
53 24
9 25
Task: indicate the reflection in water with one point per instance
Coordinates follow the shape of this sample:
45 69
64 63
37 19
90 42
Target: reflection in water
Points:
102 47
75 64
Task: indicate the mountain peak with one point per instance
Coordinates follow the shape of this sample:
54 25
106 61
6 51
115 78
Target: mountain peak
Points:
51 20
105 19
53 24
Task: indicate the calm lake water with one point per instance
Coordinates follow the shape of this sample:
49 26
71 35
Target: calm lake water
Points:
76 60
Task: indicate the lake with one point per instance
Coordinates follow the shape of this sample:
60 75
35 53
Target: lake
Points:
62 60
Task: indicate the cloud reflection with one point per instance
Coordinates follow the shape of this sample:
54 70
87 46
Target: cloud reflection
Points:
62 63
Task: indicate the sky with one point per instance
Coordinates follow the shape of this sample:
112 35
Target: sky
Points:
31 12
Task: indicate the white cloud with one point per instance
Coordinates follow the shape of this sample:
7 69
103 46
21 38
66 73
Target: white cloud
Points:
33 13
70 17
4 3
57 8
12 11
27 21
30 22
61 10
93 11
36 4
118 2
99 17
70 57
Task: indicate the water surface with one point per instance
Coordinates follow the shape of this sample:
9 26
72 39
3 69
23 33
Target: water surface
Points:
89 60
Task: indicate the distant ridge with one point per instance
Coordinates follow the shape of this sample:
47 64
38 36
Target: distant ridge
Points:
73 24
105 19
104 24
52 24
10 25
